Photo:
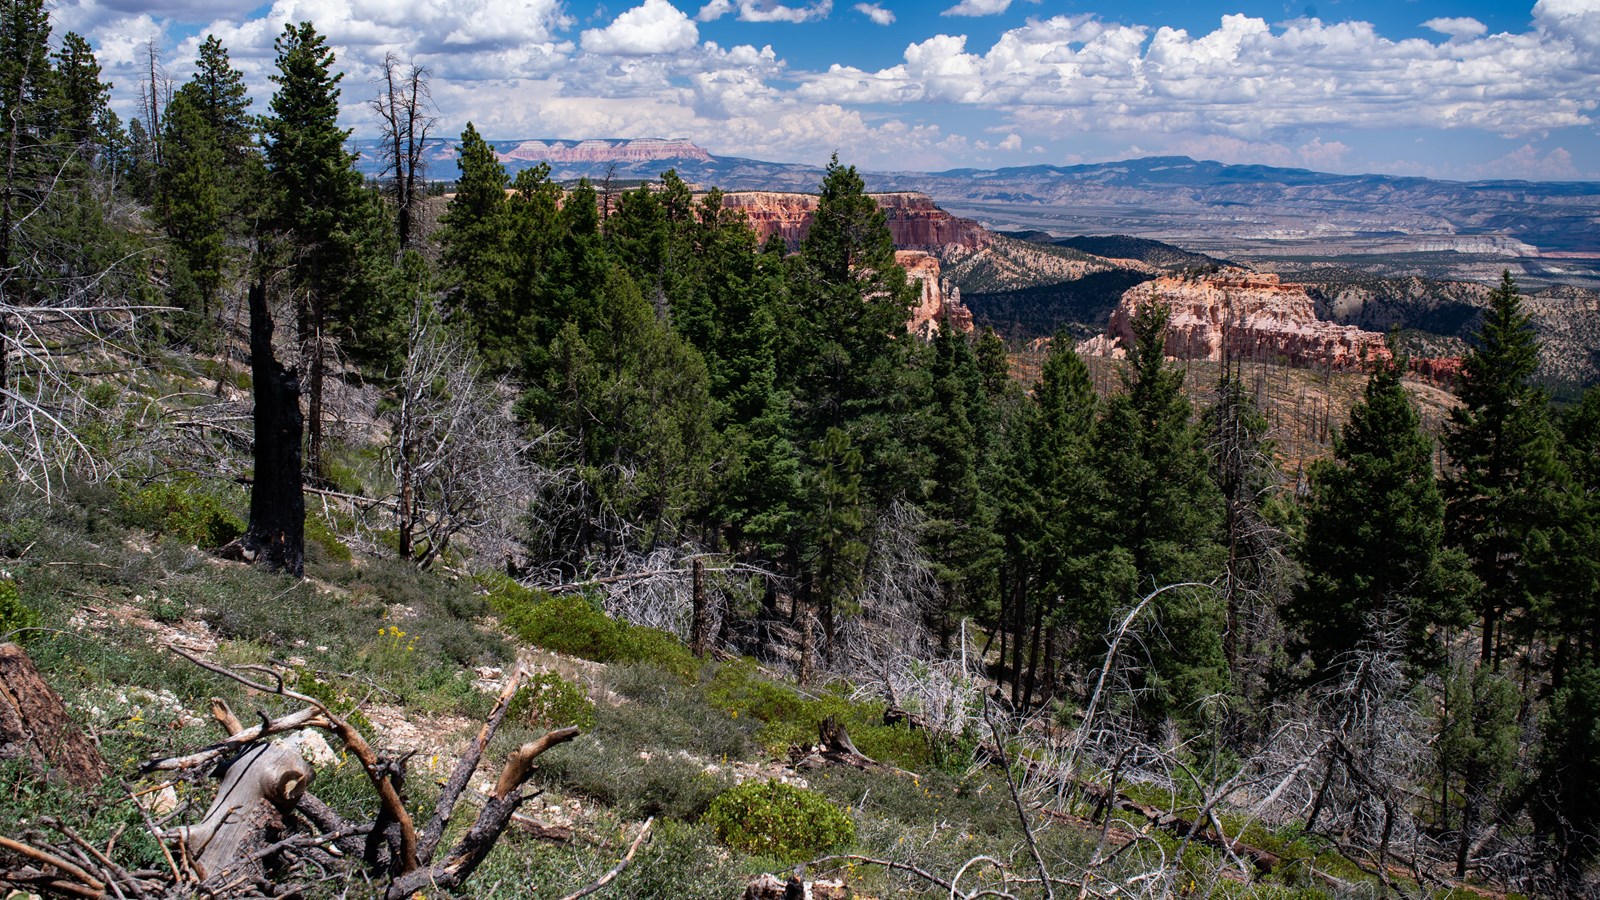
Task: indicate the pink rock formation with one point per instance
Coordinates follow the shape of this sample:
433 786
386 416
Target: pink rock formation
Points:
1441 370
641 150
1246 314
938 302
916 222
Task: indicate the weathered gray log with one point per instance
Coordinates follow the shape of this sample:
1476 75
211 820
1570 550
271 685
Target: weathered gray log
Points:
34 724
259 790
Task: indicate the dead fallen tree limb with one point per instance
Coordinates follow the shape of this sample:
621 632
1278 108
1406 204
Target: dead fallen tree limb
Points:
616 870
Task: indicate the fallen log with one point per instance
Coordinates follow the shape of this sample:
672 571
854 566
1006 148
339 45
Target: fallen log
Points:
34 724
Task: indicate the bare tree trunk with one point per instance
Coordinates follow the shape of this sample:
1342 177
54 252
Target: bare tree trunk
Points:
314 386
1019 631
700 633
806 650
1033 656
277 504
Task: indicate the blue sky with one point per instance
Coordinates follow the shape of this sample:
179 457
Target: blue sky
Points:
1444 89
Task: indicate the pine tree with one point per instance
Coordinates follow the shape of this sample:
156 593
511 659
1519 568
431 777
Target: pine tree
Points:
323 214
210 176
1566 807
1504 478
1056 560
1162 521
1572 614
193 181
1373 552
958 533
81 99
25 132
631 396
475 258
1477 747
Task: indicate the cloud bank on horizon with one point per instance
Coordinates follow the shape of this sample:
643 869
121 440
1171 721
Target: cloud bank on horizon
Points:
912 85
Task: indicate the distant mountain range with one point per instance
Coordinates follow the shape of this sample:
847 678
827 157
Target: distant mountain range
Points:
1211 207
1378 251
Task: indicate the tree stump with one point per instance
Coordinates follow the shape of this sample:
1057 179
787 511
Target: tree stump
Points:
259 789
34 724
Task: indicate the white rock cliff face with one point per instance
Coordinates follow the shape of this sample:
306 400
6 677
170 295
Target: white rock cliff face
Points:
1246 314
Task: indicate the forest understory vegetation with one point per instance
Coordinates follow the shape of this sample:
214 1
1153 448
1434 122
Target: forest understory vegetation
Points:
513 470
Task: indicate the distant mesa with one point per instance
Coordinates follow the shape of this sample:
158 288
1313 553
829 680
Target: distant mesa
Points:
638 150
915 221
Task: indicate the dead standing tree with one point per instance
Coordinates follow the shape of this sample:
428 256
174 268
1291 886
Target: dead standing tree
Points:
458 458
402 105
277 505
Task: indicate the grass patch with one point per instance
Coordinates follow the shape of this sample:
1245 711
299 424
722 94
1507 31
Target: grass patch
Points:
790 718
576 625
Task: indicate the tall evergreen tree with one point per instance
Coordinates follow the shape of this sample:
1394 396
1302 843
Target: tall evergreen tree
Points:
846 362
1572 614
1056 558
1163 520
325 217
475 258
210 175
958 532
1373 552
25 134
1566 807
1501 489
82 99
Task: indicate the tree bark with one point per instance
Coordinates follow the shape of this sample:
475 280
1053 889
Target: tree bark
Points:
277 505
34 724
700 634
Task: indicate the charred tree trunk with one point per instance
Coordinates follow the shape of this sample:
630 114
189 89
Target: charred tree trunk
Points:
277 505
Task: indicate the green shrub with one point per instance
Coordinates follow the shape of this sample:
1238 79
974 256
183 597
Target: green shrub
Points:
779 821
14 614
576 625
184 510
319 533
550 701
338 702
789 718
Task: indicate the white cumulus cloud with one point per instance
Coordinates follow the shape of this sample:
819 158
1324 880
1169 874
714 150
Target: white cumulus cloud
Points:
773 11
977 8
1456 26
653 27
714 10
876 13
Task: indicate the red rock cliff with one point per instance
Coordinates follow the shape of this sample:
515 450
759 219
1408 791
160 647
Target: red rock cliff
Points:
916 222
1253 316
937 302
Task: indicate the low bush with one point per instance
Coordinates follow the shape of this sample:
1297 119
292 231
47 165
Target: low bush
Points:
789 718
14 614
549 701
779 821
576 625
184 509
